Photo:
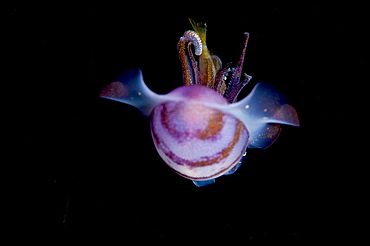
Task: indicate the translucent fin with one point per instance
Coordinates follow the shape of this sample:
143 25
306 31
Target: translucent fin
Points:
236 167
131 89
204 182
233 170
262 111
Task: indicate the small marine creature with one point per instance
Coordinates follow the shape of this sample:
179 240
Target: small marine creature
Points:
200 129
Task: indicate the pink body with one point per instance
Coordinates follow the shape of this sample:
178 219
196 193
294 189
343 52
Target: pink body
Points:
197 141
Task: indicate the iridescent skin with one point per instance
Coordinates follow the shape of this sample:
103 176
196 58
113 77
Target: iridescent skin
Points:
199 129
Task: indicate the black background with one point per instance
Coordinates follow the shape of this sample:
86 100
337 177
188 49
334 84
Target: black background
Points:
87 169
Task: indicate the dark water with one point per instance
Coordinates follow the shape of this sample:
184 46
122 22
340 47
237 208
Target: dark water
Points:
95 174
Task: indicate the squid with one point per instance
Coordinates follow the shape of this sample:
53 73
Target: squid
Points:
200 129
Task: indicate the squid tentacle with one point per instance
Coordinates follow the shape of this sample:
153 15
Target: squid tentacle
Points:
220 81
193 37
196 73
235 85
187 71
189 66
